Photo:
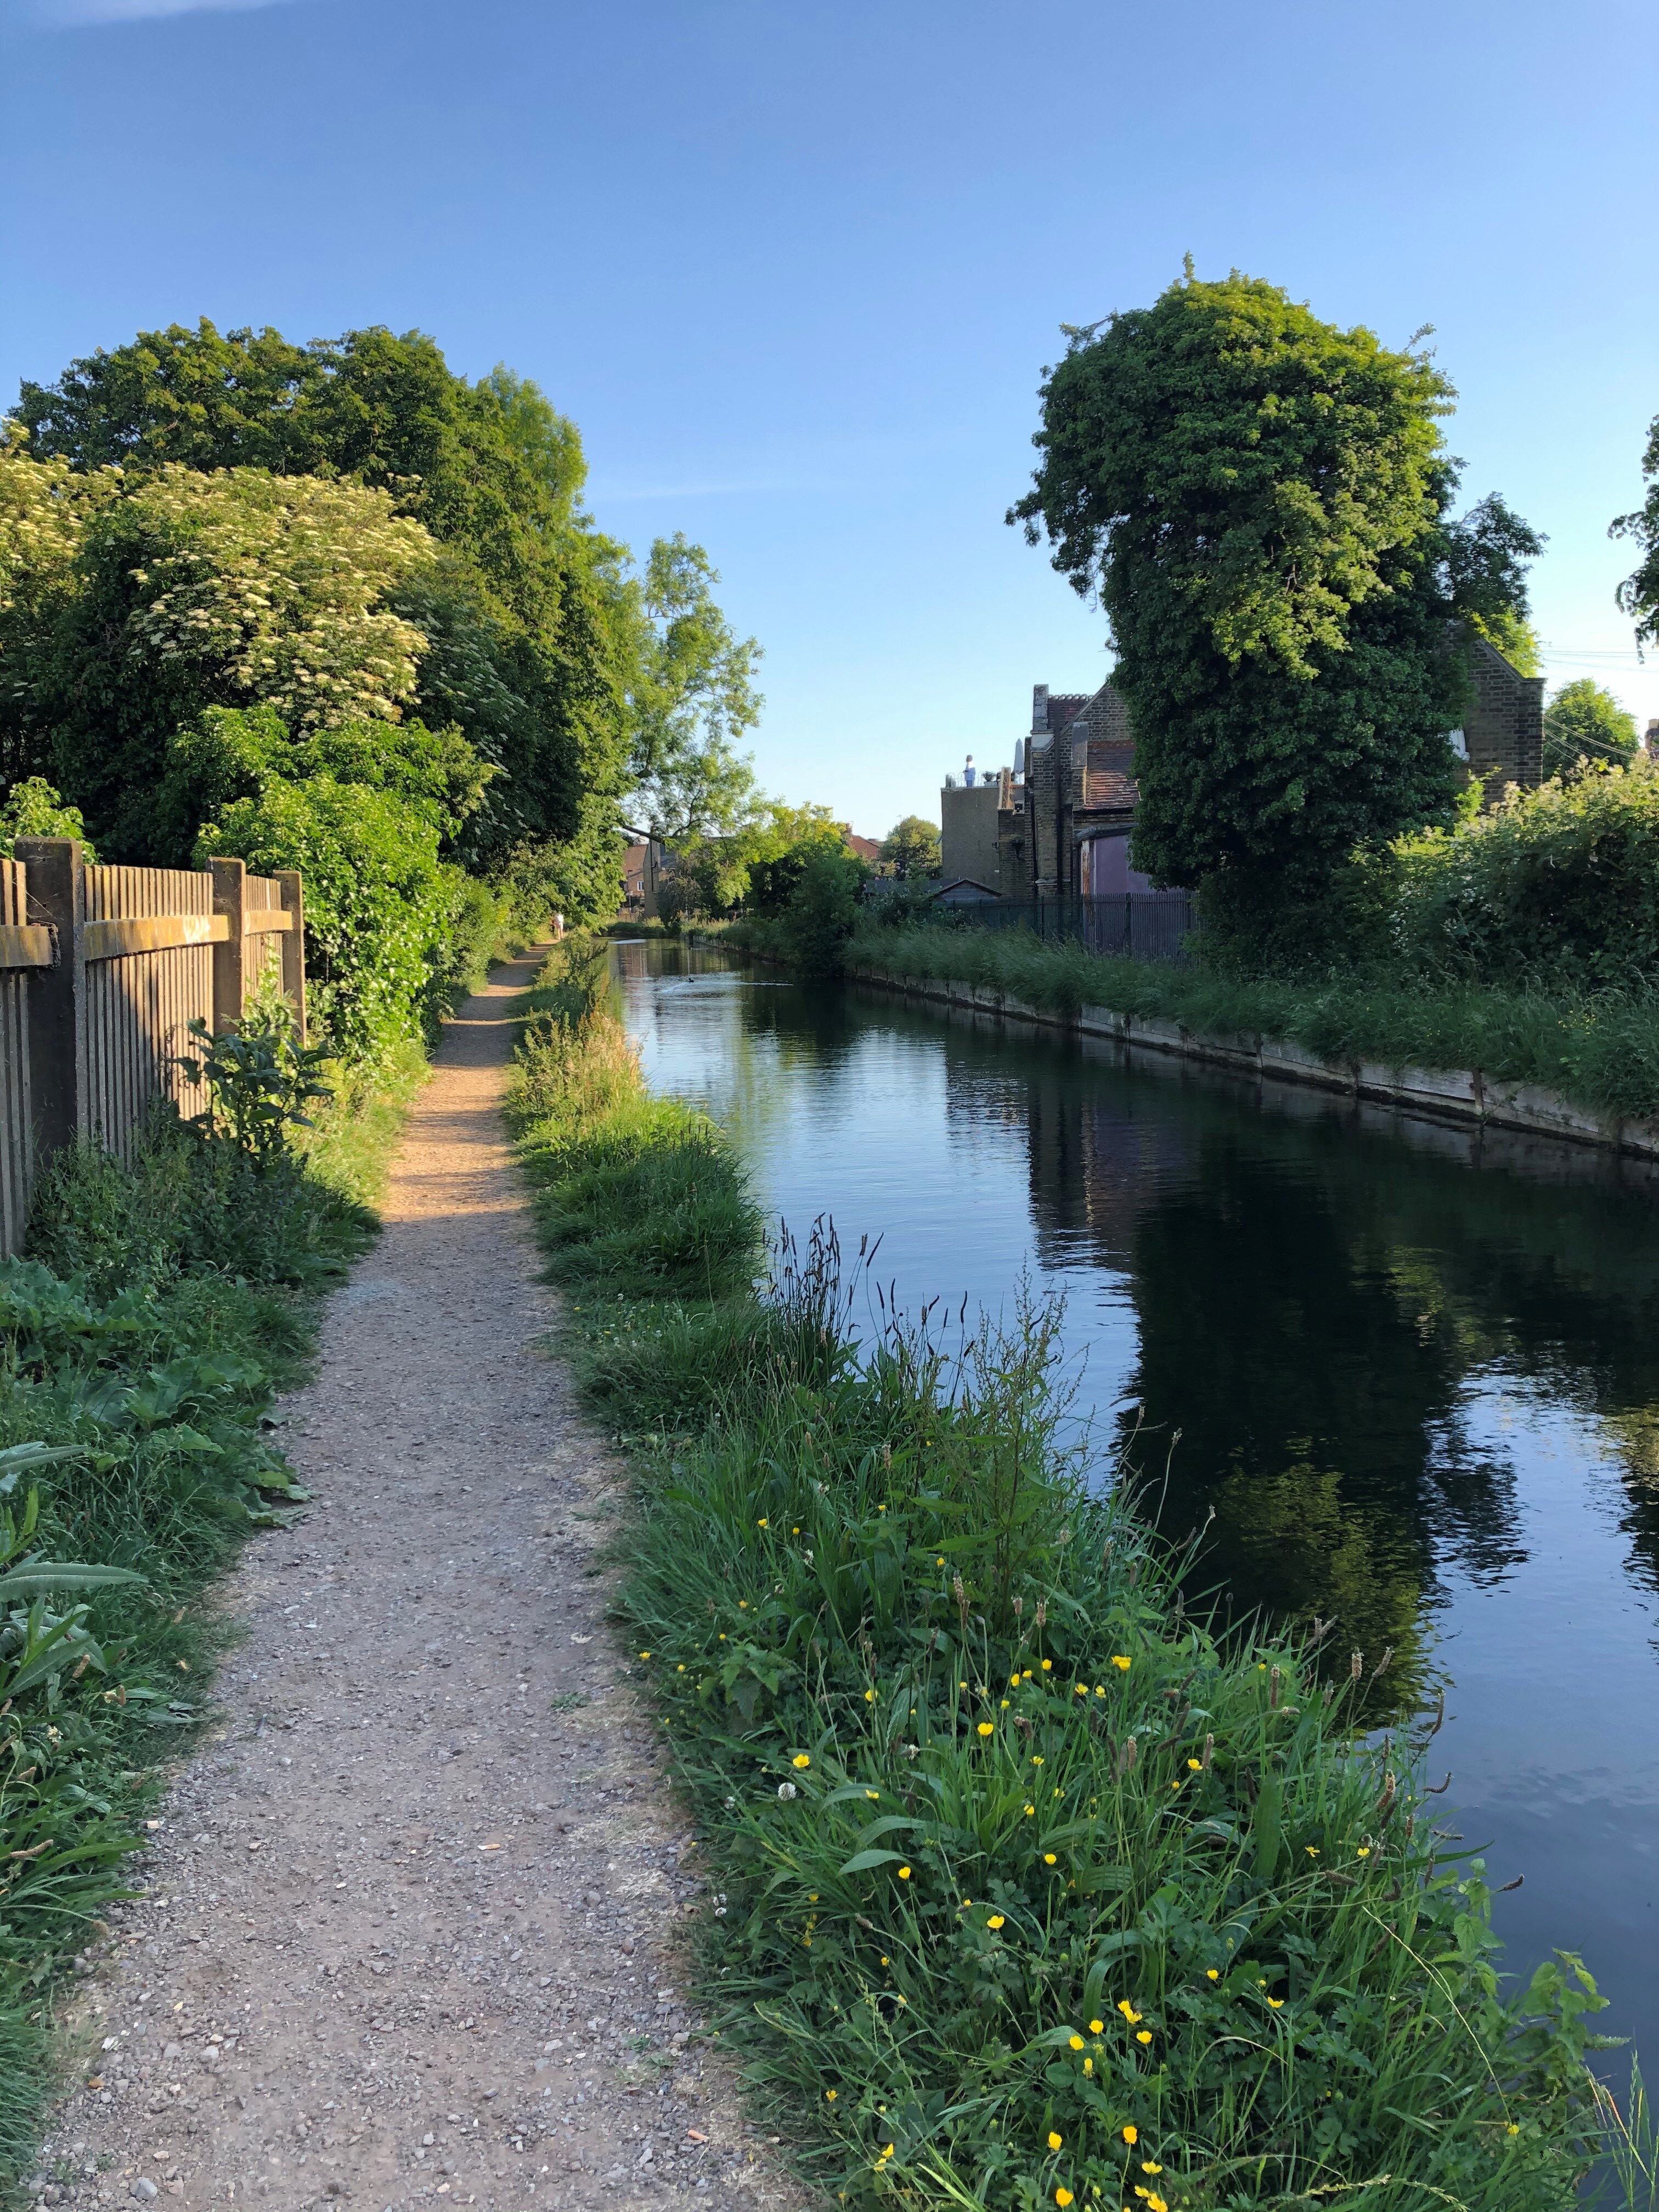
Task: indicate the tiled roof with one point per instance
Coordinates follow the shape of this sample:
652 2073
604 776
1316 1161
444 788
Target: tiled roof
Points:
1108 780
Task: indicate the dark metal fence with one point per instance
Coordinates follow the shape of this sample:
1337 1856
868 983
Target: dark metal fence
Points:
1145 925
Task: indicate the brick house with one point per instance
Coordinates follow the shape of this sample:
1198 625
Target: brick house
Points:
1064 813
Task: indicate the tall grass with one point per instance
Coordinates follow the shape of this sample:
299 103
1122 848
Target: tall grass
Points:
1025 1888
1600 1049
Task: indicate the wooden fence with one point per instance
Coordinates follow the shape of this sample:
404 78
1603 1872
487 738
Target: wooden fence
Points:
101 971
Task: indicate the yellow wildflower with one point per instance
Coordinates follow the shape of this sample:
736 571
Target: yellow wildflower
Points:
645 1655
1049 1859
1076 2042
1120 1663
1047 1666
995 1921
761 1523
1127 2011
988 1728
1132 2134
1055 2141
1143 2035
904 1873
1062 2197
800 1759
869 1697
1096 2026
1212 1974
1195 1767
830 2096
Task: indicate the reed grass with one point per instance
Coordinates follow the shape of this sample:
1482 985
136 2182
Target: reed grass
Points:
1023 1886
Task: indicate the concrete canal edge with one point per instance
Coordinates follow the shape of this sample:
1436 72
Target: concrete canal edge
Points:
1459 1095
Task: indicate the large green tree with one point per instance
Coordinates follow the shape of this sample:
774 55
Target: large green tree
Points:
693 697
1260 500
1638 595
529 618
1584 722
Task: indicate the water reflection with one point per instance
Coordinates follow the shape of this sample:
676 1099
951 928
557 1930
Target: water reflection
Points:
1415 1376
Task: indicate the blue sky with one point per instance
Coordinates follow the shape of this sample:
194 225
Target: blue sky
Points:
795 269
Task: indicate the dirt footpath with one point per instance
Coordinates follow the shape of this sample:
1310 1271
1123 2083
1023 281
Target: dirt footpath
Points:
408 1931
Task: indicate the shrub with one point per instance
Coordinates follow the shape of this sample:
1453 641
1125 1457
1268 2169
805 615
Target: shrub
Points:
33 809
379 905
822 910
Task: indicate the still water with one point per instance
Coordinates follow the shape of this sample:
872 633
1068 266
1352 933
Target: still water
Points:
1416 1380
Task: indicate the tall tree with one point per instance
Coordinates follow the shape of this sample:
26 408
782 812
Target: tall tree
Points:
1638 595
530 619
694 697
1260 500
911 847
1584 722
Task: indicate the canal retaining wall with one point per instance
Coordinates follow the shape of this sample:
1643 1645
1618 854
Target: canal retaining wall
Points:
1458 1094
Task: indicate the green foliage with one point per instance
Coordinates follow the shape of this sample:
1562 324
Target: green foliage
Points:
911 848
259 1079
568 673
822 910
381 909
181 591
1638 595
144 1338
1259 499
693 696
33 809
1584 722
1025 1888
1601 1050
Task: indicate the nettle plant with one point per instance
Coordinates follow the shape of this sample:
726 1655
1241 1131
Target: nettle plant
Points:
259 1079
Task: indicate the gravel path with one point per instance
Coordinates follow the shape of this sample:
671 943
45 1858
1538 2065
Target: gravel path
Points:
408 1931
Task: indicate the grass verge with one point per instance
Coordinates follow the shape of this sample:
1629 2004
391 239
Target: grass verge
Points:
1600 1049
161 1306
1024 1889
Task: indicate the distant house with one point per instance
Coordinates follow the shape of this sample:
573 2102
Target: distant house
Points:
1057 825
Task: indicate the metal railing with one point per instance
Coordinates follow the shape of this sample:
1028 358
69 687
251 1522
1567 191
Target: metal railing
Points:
1144 925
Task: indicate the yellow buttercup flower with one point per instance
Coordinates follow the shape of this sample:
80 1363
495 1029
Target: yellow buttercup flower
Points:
1062 2197
1120 1662
1150 2166
1047 1666
1076 2042
1278 2003
761 1523
904 1873
800 1759
1055 2141
869 1697
1127 2011
874 1796
1013 1681
830 2096
1364 1851
1132 2134
1195 1767
1096 2026
988 1728
645 1655
1049 1859
1081 1690
1212 1974
1143 2035
1030 1811
995 1921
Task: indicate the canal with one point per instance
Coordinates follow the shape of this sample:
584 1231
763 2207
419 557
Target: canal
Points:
1414 1378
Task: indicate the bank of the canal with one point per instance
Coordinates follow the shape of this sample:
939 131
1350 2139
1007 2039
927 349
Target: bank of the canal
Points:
1418 1388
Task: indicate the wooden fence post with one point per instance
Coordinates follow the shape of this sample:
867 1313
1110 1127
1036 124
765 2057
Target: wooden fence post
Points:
230 884
58 1041
294 944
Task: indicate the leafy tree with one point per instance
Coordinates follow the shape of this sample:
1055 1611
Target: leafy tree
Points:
138 608
693 697
822 910
1583 722
530 621
911 847
1259 500
1638 595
